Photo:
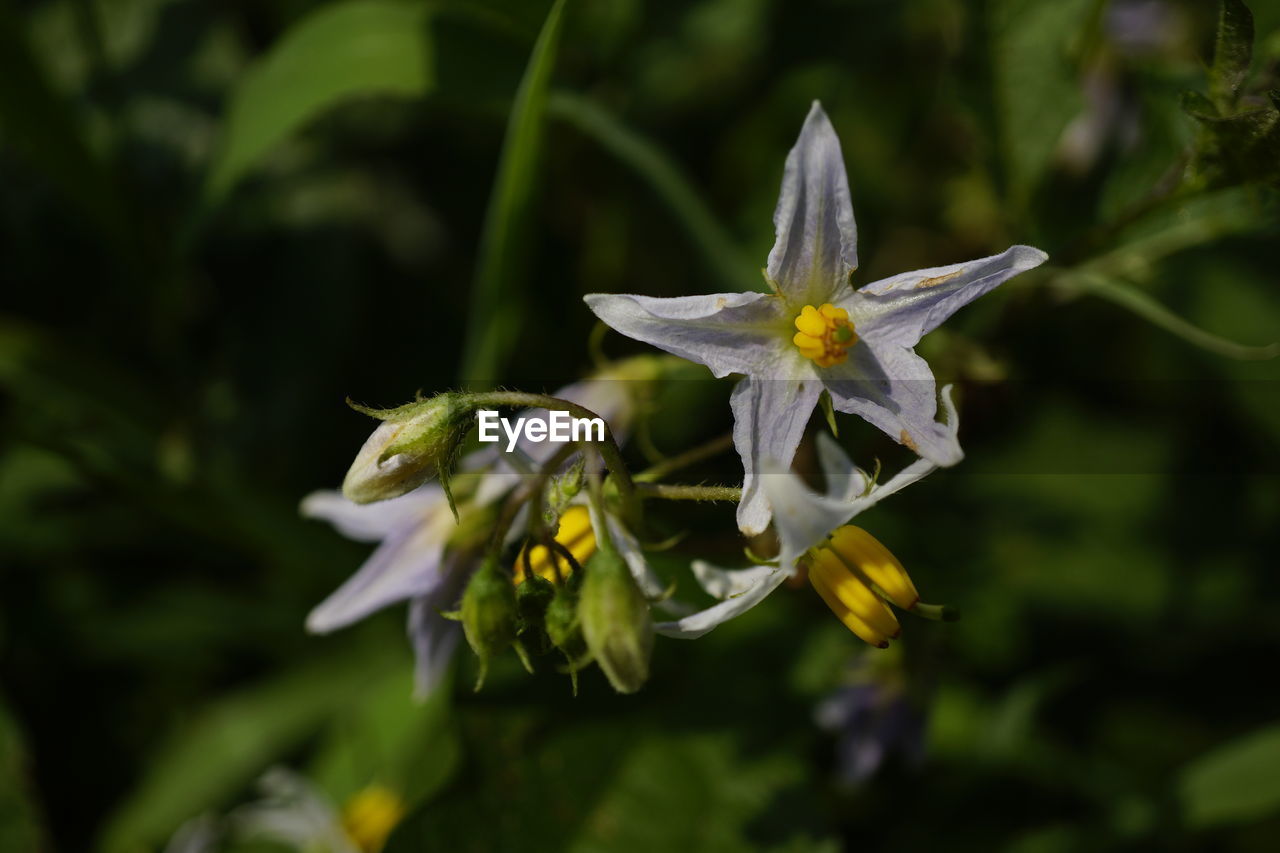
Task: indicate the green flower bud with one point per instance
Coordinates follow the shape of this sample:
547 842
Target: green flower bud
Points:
414 443
533 596
564 628
616 622
489 614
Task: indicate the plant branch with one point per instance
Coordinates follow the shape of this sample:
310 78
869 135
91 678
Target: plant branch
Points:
667 492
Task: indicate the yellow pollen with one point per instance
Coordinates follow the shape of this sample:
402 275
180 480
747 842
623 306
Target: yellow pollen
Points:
824 334
575 534
370 815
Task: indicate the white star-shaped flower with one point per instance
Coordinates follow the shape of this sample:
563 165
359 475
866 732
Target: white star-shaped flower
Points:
815 332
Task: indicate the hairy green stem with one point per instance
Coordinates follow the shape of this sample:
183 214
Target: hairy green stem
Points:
667 492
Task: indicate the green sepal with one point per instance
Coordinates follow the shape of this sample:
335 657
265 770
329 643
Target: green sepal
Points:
872 479
828 411
489 613
756 558
1232 53
533 597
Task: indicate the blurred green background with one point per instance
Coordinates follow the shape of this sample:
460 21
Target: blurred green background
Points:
218 219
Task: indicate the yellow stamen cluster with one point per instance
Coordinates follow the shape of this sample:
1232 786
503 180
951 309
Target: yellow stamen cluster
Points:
854 573
575 534
370 815
824 334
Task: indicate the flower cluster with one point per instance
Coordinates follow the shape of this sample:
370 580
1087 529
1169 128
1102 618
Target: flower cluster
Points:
539 549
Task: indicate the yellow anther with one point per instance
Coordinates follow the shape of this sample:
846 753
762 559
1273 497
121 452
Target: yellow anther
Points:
575 534
824 334
850 619
854 596
861 551
370 815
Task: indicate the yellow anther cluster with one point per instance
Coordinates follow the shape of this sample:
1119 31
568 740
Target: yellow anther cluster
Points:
852 571
370 815
824 334
575 534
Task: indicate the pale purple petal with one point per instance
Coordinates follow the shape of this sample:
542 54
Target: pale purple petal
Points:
695 625
893 388
903 309
406 565
728 332
433 637
376 521
769 418
816 246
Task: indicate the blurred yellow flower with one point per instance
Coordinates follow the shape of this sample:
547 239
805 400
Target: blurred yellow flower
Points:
370 815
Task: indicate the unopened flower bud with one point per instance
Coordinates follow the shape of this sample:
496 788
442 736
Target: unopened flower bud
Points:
489 614
414 443
564 628
616 622
533 596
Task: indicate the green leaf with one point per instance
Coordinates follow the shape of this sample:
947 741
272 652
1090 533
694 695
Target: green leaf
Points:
1185 224
1249 141
45 130
1236 782
495 303
359 47
19 823
653 166
1037 89
1146 307
1232 53
230 743
385 737
587 789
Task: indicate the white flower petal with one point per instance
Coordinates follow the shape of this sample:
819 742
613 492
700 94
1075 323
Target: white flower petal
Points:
376 521
695 625
200 834
769 418
843 479
727 583
629 549
728 332
906 307
293 812
817 241
405 565
893 388
803 518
